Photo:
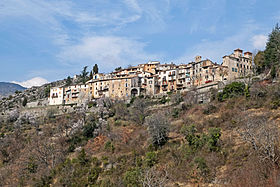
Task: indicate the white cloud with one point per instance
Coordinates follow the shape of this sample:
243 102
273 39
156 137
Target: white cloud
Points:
36 81
53 14
259 41
216 49
108 51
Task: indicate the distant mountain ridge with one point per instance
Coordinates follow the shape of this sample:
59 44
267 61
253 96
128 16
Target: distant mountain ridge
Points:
7 88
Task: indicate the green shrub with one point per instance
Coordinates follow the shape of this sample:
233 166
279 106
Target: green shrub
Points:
234 89
31 165
275 104
175 112
89 128
214 135
163 100
118 123
150 159
202 166
109 146
195 140
131 177
210 109
91 104
93 175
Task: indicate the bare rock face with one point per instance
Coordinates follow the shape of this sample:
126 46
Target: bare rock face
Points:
26 118
13 115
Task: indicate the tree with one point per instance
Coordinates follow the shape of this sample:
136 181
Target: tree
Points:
223 73
118 68
158 127
272 50
24 102
90 126
263 135
138 111
95 69
273 72
84 74
47 91
68 81
153 177
259 61
90 75
234 89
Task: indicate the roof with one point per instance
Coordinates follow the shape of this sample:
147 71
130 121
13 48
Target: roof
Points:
238 50
248 52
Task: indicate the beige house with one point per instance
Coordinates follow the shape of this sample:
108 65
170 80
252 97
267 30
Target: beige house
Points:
238 65
154 78
76 94
115 87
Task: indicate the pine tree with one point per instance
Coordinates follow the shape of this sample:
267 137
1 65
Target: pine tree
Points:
90 75
272 51
118 68
68 81
259 61
24 102
95 69
84 74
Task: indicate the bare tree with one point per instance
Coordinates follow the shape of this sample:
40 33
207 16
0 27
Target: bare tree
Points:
154 178
176 98
263 135
223 73
139 110
158 127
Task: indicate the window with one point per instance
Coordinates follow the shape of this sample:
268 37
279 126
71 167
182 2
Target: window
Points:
237 65
233 69
125 84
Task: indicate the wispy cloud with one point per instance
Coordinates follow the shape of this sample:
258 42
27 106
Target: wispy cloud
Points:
110 51
259 41
205 16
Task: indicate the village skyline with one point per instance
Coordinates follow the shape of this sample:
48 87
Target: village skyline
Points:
50 40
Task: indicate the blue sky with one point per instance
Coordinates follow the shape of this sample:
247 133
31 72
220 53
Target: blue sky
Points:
52 39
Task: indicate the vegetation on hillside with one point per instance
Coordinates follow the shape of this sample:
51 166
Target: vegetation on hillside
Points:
231 141
170 140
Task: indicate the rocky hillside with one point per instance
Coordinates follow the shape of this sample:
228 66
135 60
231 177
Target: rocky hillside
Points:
35 94
7 88
166 141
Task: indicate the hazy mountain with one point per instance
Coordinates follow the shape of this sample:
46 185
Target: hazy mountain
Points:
7 88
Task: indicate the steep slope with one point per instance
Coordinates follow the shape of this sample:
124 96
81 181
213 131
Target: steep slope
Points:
7 88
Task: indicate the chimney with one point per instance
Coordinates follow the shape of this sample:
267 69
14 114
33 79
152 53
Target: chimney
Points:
238 52
197 58
248 55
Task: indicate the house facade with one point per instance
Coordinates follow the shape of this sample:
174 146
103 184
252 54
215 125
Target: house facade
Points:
154 78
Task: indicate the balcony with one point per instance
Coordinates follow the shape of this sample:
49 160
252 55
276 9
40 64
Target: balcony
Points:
164 83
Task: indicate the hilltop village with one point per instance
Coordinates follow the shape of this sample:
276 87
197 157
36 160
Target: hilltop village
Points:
153 78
